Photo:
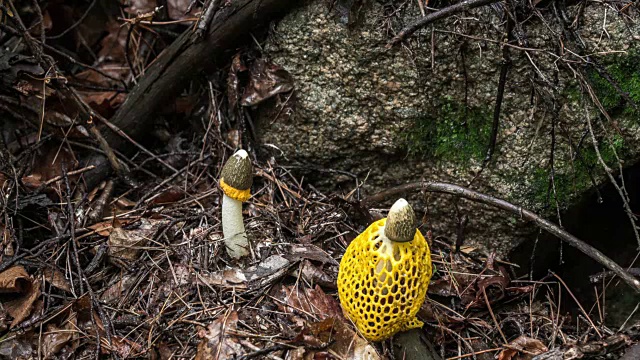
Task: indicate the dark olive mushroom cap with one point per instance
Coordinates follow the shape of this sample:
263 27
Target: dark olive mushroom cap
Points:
237 175
401 222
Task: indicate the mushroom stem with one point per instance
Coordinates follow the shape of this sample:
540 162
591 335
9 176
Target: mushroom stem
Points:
235 238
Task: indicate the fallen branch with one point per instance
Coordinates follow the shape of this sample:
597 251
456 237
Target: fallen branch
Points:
178 64
524 214
440 14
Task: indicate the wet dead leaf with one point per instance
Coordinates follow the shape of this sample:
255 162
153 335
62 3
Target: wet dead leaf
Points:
124 245
296 354
56 279
266 81
113 45
254 277
26 290
19 347
49 164
315 275
116 72
89 321
181 275
124 347
311 252
269 270
233 80
164 352
494 287
115 291
234 138
103 228
169 196
55 338
103 102
522 348
140 6
14 66
217 343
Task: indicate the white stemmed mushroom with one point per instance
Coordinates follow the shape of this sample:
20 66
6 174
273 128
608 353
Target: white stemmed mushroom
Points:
235 180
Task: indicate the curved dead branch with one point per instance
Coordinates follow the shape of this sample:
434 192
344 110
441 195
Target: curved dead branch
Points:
524 214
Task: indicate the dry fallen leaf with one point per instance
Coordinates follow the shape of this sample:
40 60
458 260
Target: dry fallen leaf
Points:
124 347
343 342
217 343
57 279
49 165
115 291
20 307
126 244
522 348
105 228
113 45
312 302
254 277
315 275
55 338
14 280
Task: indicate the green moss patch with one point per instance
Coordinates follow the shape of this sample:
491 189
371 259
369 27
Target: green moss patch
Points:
574 178
452 132
625 70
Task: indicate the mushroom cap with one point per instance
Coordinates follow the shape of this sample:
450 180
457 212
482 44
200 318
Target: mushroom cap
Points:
236 177
383 283
401 222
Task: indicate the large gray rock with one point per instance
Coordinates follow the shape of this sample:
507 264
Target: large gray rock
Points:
423 110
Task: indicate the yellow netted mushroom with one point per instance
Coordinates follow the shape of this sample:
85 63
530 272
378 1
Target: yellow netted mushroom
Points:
384 275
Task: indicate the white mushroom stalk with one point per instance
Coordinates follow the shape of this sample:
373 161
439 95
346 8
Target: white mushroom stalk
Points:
235 180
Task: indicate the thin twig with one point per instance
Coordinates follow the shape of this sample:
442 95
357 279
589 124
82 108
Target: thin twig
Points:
440 14
74 25
620 188
70 173
72 228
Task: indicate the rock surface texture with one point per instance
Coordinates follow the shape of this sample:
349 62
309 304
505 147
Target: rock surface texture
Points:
423 109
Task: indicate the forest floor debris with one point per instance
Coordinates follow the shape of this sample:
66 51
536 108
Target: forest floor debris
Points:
136 267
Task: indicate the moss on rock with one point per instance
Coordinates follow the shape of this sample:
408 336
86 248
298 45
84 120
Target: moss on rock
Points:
455 132
624 69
